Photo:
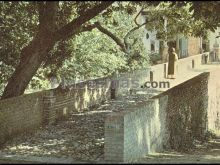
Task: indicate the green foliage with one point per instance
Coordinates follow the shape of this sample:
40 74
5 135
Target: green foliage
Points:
18 23
154 57
138 56
121 23
40 81
89 59
181 20
16 30
93 54
206 12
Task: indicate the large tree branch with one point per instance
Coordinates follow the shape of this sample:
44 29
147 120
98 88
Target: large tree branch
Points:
87 28
74 26
105 31
118 41
111 35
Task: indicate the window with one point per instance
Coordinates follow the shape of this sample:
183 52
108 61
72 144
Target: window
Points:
152 46
147 36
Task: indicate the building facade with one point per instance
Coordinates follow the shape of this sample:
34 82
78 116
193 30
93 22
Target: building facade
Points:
185 46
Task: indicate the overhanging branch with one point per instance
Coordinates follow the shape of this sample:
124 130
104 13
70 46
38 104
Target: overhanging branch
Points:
74 26
111 35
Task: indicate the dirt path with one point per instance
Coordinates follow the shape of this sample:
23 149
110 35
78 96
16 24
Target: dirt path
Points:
208 153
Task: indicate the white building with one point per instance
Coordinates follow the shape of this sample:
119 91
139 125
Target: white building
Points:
184 46
213 44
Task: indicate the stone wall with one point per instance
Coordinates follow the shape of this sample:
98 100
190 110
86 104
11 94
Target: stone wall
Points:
214 102
130 80
81 96
186 112
20 115
134 132
28 112
172 119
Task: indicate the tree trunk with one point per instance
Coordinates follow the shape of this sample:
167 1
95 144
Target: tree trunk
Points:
32 57
34 54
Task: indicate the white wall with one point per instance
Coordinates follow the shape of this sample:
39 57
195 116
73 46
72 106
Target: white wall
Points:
211 38
152 38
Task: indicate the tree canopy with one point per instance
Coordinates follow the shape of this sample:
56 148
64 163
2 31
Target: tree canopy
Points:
83 39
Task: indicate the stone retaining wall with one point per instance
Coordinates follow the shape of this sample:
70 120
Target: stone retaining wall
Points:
20 115
214 102
134 132
186 112
173 119
28 112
